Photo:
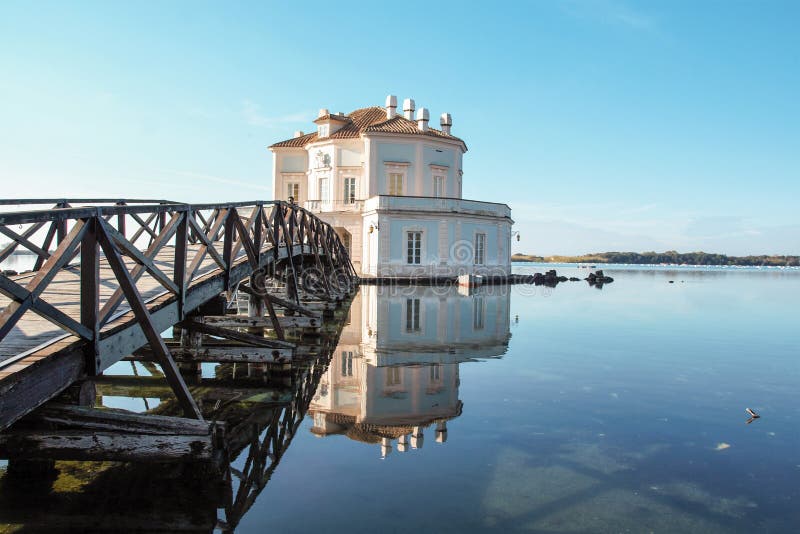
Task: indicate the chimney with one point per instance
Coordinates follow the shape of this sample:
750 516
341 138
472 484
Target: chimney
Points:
402 443
446 121
298 133
441 432
422 119
322 112
386 447
417 439
408 108
391 106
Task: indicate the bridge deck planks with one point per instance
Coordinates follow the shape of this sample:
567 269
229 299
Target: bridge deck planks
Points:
38 335
63 292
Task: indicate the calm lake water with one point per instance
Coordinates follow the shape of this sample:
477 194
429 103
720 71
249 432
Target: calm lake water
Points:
571 409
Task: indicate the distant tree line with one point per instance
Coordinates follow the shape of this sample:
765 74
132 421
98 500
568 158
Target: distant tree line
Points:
670 256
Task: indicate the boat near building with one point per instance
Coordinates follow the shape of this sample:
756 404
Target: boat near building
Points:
391 186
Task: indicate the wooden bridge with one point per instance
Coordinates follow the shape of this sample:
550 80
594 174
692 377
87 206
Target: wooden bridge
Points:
180 492
109 276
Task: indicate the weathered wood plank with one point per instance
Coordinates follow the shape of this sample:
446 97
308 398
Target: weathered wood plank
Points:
106 446
70 417
289 305
243 321
207 389
227 333
230 354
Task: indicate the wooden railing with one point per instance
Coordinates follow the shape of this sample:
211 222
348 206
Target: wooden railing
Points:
56 230
278 239
81 233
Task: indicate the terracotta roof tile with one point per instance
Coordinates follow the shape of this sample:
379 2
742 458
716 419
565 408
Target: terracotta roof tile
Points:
332 117
368 120
296 142
401 125
361 119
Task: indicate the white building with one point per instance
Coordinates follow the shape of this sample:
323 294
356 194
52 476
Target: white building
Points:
391 186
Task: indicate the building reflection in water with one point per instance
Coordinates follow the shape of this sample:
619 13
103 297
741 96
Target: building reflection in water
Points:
394 375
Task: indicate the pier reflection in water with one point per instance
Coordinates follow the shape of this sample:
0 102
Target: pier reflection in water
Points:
385 373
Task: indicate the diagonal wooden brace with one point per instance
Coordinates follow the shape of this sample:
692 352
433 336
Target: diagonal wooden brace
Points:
142 315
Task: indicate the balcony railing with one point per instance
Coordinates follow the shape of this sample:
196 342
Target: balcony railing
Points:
442 205
411 203
334 205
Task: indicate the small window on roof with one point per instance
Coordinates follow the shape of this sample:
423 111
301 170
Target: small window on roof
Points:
324 130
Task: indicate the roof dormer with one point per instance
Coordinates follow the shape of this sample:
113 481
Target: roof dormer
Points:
327 123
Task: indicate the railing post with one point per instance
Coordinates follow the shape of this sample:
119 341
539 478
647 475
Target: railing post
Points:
179 274
258 232
121 220
61 225
303 223
90 294
162 220
292 226
227 247
276 235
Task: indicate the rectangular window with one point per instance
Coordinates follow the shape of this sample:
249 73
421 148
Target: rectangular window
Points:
393 376
435 377
414 247
412 315
395 184
324 130
477 313
480 249
324 190
438 186
349 190
347 363
293 191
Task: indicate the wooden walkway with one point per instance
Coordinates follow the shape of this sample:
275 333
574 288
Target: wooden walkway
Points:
108 290
33 332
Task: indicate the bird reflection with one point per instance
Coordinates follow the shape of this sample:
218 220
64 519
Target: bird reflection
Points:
753 416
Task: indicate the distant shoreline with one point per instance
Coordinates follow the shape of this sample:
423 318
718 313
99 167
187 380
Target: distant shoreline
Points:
665 258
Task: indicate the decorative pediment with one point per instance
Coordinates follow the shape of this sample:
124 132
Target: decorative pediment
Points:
397 164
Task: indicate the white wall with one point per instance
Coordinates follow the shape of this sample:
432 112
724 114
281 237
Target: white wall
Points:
289 165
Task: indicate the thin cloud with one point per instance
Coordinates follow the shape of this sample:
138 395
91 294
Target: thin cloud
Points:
641 209
624 15
252 114
221 180
609 12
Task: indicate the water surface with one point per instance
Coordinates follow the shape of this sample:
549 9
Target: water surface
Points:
567 409
612 410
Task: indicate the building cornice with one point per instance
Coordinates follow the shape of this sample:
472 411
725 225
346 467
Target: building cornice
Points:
415 137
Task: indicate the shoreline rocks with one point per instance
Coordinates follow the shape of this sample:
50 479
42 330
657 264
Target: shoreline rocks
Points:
598 278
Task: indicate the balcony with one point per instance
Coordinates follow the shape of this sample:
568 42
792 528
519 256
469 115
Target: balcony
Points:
440 205
355 206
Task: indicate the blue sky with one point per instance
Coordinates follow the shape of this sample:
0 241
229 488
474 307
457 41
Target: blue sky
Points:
604 124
